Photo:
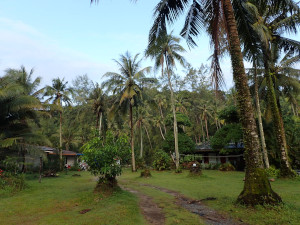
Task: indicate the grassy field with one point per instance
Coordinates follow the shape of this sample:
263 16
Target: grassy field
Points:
59 201
226 186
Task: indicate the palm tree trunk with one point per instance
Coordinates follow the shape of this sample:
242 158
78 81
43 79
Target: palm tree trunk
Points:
205 119
162 116
161 133
100 124
175 120
148 137
60 140
202 129
285 168
141 131
131 138
257 188
261 129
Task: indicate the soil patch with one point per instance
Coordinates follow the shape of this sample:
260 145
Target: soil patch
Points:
152 213
210 216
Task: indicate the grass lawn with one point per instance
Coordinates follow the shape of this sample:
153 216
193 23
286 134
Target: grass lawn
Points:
59 201
226 186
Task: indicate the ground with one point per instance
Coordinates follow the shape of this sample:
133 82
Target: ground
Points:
165 198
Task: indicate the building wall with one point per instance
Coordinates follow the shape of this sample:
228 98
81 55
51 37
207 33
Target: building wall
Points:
70 160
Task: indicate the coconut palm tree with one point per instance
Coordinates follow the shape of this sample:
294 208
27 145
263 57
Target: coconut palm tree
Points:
127 86
166 51
268 24
217 17
97 99
58 95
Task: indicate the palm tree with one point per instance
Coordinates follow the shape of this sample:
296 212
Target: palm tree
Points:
127 85
24 78
58 94
97 98
218 17
269 24
165 51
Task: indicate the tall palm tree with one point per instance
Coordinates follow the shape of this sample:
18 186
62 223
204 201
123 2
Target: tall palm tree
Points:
268 24
58 95
218 18
166 51
97 99
126 85
24 78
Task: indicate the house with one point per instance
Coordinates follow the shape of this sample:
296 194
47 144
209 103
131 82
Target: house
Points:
33 156
211 156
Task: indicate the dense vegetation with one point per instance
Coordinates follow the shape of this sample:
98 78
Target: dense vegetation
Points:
174 113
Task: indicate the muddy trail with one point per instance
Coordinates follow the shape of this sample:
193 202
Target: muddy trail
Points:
210 216
152 213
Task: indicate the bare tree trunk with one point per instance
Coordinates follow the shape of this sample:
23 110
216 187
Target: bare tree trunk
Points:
161 133
175 120
141 150
148 137
261 129
60 140
285 168
205 119
162 116
131 139
257 188
203 133
100 124
41 168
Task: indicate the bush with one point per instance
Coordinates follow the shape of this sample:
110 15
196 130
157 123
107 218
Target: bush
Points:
146 173
212 166
52 164
104 158
140 163
227 167
195 168
12 182
273 172
162 160
75 167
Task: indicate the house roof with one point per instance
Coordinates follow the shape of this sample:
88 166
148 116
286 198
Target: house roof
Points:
54 151
205 147
64 152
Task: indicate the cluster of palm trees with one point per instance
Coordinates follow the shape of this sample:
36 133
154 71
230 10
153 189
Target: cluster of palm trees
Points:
257 25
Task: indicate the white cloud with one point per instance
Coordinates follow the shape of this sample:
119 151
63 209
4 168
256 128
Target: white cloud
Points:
21 44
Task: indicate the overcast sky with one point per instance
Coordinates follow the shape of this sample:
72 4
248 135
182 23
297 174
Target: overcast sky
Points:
66 38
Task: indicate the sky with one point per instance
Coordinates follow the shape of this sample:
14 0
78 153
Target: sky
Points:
72 37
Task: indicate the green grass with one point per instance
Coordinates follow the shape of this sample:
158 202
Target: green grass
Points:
59 201
174 214
226 186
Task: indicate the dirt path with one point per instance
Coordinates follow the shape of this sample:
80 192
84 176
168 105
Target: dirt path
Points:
152 213
209 215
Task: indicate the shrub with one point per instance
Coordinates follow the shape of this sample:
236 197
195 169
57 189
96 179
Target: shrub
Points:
273 172
194 168
104 158
211 166
140 163
52 164
12 182
162 160
146 173
227 167
75 167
